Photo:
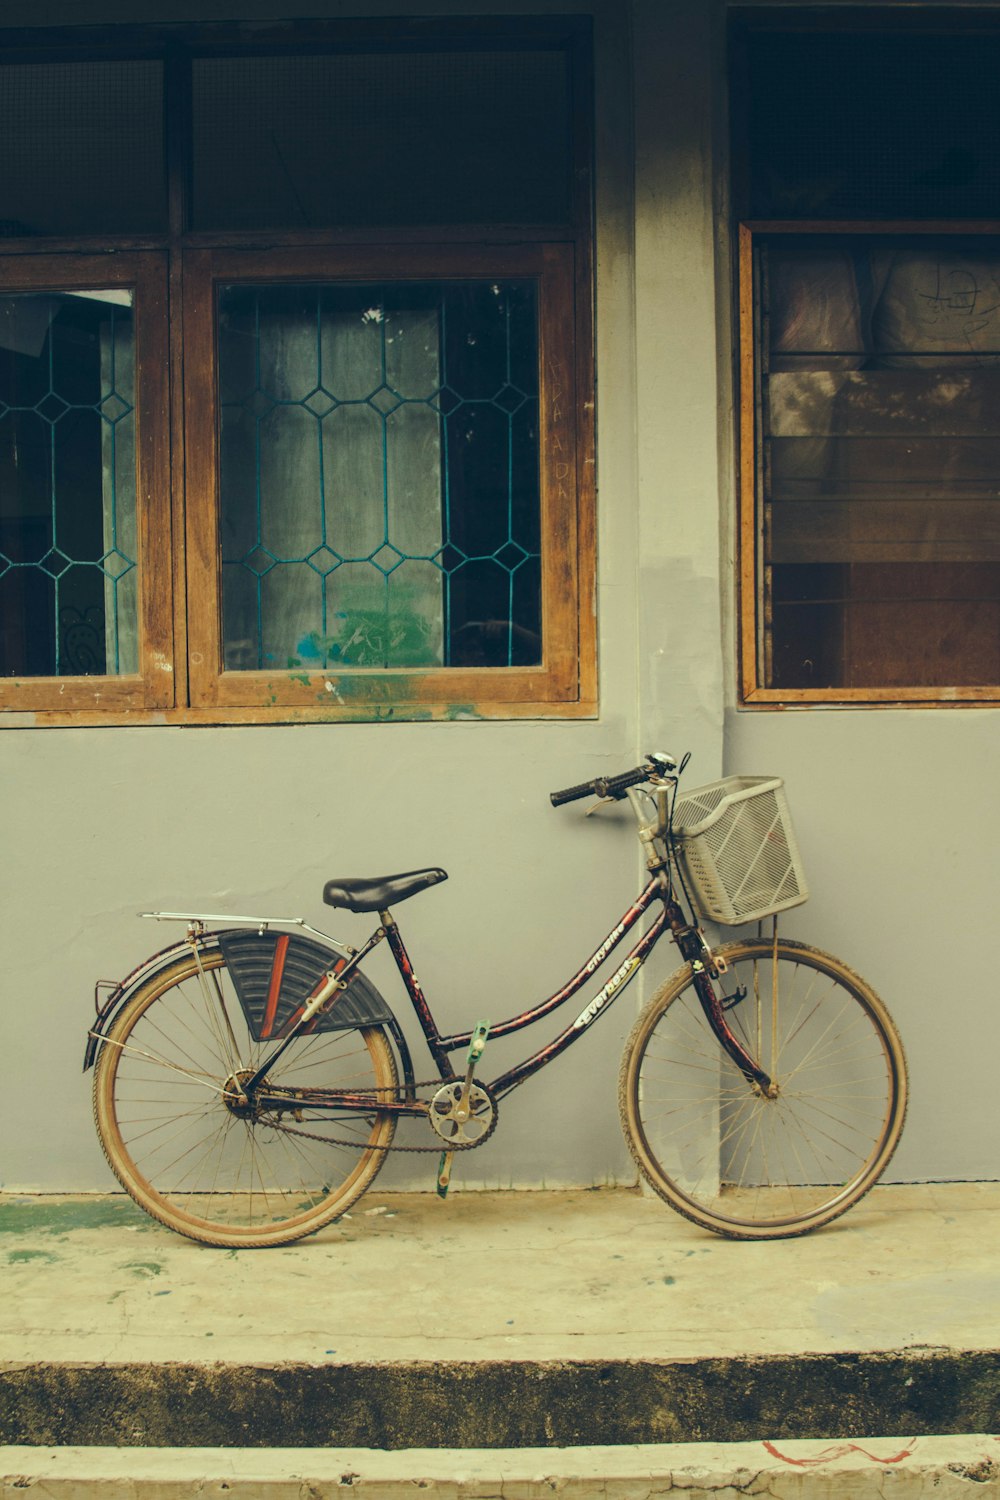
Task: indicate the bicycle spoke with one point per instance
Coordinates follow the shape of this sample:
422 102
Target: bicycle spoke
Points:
214 1164
757 1164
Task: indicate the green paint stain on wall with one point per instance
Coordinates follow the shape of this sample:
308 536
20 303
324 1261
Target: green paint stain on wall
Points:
16 1257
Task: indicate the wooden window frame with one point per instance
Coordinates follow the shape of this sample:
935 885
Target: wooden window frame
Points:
182 680
349 693
152 688
754 693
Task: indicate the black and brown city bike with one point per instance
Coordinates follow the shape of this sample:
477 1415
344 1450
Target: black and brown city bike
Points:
249 1078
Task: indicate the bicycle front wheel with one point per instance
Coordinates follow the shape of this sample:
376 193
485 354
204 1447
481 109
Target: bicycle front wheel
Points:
713 1145
166 1087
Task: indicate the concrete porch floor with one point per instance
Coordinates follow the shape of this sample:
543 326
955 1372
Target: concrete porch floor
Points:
503 1321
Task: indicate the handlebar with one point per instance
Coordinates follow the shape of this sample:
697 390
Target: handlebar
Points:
615 787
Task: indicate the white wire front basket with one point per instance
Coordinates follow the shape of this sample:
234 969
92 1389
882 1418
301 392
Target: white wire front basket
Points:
737 849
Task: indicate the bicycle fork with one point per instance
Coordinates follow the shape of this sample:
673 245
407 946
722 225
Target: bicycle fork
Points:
694 948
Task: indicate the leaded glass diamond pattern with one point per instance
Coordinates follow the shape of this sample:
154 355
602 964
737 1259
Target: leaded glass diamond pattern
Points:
384 400
51 407
115 407
509 398
68 568
323 560
115 564
387 513
387 559
55 563
447 401
320 403
450 559
259 561
511 556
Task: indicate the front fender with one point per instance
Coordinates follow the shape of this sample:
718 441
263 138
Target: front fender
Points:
124 990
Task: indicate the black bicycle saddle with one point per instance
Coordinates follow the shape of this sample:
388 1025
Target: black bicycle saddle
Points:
381 891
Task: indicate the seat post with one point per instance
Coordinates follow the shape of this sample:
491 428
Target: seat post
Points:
417 997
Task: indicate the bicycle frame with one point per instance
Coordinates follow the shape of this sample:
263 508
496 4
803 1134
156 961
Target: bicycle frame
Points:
688 939
440 1046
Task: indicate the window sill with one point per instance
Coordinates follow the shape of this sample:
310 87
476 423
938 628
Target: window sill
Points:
757 699
355 713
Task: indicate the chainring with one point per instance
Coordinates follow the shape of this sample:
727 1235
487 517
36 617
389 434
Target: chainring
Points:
461 1130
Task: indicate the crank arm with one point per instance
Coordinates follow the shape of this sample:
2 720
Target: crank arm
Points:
461 1114
476 1046
444 1173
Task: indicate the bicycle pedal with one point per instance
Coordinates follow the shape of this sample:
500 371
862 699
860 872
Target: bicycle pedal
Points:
444 1173
477 1044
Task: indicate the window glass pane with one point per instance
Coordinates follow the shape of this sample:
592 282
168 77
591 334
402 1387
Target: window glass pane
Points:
379 475
418 138
67 484
82 148
873 126
881 430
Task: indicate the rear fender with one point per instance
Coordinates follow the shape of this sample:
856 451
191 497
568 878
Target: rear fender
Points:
122 993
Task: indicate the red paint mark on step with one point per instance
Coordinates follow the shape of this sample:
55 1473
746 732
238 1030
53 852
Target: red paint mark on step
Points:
838 1450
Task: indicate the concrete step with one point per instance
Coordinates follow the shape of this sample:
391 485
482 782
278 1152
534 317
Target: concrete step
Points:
498 1321
931 1468
499 1403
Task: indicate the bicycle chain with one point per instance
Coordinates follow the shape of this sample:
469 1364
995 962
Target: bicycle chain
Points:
326 1140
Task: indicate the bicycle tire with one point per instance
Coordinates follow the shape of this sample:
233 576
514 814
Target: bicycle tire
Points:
187 1158
712 1146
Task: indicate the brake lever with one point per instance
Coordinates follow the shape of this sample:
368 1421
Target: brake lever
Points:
601 802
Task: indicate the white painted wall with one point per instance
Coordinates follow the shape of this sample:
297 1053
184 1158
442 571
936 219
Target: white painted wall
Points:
898 820
100 824
106 823
896 811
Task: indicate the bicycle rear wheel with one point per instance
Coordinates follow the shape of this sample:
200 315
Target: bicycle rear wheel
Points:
719 1151
163 1096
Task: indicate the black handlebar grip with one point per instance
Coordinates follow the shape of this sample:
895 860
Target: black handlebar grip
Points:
572 793
615 786
601 786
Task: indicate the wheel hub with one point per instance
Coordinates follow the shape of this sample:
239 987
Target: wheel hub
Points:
235 1097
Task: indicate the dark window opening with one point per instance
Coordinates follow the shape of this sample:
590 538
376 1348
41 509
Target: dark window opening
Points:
870 125
83 148
364 139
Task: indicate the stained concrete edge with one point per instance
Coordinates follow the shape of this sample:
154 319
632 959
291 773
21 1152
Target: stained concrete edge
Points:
499 1404
827 1469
